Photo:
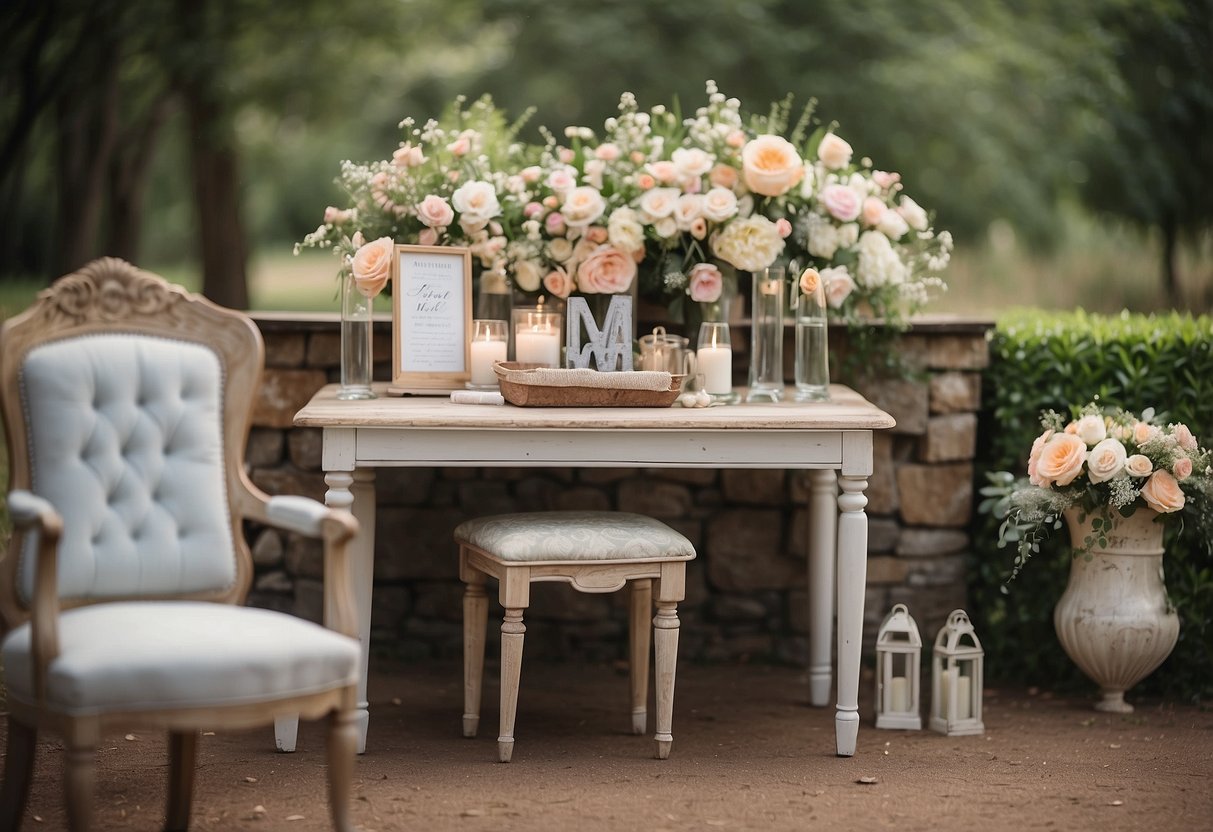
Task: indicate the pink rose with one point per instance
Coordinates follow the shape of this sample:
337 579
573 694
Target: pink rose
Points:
554 222
532 210
1184 437
373 266
783 228
873 211
723 176
607 152
664 171
841 202
735 139
606 270
596 234
435 212
1182 469
771 166
427 237
705 283
699 228
1162 493
1139 465
558 283
885 179
566 155
839 285
1061 459
460 146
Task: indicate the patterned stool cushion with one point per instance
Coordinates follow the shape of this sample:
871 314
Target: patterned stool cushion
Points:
574 535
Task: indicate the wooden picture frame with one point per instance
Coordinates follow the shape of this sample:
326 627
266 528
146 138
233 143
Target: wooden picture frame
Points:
431 319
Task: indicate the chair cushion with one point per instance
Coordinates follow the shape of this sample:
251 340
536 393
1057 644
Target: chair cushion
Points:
574 535
149 655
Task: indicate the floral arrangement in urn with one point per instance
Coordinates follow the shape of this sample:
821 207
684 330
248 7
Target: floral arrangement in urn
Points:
673 206
1102 464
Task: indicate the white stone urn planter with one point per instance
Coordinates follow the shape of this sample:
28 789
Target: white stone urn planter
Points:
1114 619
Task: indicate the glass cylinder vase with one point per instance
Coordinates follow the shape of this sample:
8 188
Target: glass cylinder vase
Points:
766 336
356 335
812 349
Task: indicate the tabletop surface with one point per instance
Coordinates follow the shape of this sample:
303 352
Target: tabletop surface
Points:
846 410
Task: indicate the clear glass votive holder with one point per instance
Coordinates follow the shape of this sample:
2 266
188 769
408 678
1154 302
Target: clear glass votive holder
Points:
714 361
487 347
537 335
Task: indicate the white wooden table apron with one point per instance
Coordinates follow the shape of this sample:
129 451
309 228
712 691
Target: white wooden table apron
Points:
825 438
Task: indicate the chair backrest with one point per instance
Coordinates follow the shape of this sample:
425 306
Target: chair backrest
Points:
126 404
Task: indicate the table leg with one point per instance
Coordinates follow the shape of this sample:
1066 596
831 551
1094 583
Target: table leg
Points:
852 578
823 519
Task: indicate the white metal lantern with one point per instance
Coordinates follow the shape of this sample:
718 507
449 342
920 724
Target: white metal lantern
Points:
956 679
898 664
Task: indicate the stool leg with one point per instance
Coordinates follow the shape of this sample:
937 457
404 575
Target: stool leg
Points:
475 621
512 633
666 642
639 641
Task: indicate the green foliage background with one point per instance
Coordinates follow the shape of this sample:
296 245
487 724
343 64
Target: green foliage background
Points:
1040 361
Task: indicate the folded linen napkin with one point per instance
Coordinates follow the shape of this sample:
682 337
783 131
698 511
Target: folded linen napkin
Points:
622 380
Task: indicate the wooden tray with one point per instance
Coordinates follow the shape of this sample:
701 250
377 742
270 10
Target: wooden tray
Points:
538 395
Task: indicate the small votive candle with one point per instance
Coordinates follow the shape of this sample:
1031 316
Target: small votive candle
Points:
715 358
899 694
487 347
537 336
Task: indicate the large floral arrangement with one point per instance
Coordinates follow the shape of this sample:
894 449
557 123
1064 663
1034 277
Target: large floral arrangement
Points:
678 204
1102 462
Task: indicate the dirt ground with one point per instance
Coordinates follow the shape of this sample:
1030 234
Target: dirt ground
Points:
749 754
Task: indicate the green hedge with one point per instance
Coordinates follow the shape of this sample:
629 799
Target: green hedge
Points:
1049 360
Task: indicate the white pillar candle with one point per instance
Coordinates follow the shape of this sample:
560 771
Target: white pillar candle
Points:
899 694
537 347
484 353
716 367
964 693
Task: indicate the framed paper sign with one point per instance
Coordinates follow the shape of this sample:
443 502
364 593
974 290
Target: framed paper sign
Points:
431 319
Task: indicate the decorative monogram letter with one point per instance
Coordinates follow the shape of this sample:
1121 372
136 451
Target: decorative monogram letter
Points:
611 346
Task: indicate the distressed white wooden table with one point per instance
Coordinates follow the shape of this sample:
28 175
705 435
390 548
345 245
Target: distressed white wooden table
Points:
825 438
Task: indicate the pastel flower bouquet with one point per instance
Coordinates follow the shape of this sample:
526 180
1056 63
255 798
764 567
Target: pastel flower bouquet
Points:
671 206
1098 463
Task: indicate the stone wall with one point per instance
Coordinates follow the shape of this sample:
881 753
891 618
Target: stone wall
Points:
746 594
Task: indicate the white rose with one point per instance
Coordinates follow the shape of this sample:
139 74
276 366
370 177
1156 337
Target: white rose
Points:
659 202
666 227
476 203
878 264
625 231
848 234
1091 429
719 204
688 209
582 206
892 225
771 166
833 152
691 162
1139 465
560 249
808 183
750 243
823 237
913 214
839 285
1106 460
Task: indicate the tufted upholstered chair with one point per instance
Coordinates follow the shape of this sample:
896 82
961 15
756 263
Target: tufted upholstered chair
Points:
593 551
126 404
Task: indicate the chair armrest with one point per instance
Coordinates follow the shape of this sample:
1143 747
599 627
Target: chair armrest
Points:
31 512
336 527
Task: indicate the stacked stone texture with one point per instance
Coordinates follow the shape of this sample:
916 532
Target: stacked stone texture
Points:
746 595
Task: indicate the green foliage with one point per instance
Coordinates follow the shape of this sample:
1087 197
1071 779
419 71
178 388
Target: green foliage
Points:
1041 361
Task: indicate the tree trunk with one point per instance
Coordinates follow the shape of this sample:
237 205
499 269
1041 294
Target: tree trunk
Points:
128 181
1170 268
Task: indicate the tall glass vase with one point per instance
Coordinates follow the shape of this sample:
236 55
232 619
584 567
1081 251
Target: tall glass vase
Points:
766 336
812 355
356 334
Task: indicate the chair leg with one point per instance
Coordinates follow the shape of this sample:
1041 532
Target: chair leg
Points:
182 759
475 622
342 749
666 625
512 633
639 641
78 776
18 768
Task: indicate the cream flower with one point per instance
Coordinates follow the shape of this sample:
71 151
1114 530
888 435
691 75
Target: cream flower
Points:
476 202
750 243
1162 493
691 162
527 275
1091 429
892 225
823 237
1106 460
834 152
771 166
913 214
688 209
839 285
583 206
1184 437
1139 465
879 264
718 205
625 231
659 202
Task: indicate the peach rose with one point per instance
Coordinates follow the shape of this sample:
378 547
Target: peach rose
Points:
723 176
783 228
1144 432
841 202
596 234
607 270
607 152
834 152
427 237
1184 437
1182 469
771 166
1106 460
558 283
1034 458
699 229
1162 493
1139 465
1061 459
873 211
810 281
373 266
435 212
705 283
664 172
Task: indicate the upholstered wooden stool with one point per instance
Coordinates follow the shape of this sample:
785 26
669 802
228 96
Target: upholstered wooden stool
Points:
595 551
